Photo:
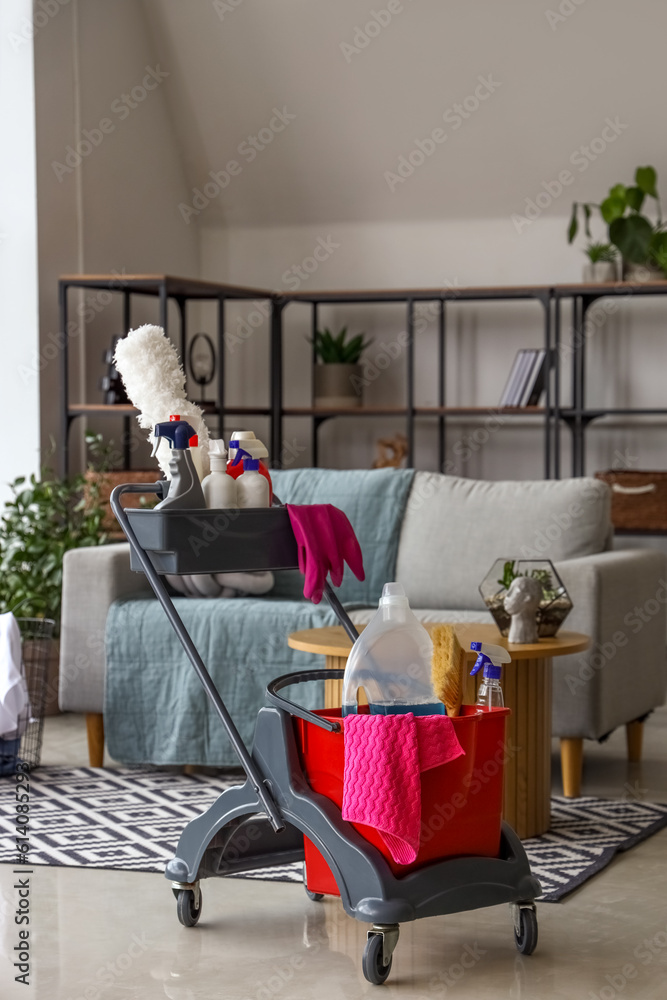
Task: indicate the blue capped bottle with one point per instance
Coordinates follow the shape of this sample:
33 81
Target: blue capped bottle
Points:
490 658
391 661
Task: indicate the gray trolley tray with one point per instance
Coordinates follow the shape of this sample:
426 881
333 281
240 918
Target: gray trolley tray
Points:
263 822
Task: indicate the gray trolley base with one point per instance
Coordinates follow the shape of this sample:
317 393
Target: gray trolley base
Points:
263 822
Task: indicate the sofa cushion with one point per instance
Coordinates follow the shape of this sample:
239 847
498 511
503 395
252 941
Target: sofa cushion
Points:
374 501
454 529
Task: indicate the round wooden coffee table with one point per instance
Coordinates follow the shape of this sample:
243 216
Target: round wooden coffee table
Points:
526 682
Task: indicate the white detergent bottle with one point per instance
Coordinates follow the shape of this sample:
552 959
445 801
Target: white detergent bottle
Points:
391 661
219 488
252 489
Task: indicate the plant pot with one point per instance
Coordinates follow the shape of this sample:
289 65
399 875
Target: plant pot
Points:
601 271
642 274
337 386
554 607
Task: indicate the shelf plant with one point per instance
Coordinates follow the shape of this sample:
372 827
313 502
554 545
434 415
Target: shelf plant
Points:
336 380
636 232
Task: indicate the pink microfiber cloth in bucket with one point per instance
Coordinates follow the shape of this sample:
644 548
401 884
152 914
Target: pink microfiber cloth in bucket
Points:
325 541
384 757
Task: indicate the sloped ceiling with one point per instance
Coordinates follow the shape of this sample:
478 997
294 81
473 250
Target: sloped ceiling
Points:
556 78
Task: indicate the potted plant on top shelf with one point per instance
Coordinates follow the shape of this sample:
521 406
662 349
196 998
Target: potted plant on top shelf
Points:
640 240
602 262
337 379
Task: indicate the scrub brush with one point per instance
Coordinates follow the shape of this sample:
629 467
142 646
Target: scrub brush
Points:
448 667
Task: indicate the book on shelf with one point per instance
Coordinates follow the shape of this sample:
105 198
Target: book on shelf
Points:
527 379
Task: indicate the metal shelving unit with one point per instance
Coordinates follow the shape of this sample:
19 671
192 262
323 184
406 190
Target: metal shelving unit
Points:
580 415
553 414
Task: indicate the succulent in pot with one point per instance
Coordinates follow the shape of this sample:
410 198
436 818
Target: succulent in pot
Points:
337 379
601 264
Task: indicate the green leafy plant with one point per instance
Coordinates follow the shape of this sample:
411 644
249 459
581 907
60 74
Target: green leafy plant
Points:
601 253
638 238
332 350
45 518
543 575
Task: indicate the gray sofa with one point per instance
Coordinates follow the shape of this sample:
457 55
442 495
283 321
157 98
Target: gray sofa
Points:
451 531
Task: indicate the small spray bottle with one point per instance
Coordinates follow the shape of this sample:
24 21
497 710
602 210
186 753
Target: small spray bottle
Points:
491 658
185 492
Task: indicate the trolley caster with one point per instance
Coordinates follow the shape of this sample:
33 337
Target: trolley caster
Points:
377 957
188 903
525 927
315 896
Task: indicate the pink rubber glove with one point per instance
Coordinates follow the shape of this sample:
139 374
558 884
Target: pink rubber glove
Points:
325 541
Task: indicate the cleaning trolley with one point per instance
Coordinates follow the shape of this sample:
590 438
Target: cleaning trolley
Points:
289 808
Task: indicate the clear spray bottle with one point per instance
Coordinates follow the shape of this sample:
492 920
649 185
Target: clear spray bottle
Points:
490 658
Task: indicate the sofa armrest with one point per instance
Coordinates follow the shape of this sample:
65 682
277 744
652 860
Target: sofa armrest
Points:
93 578
620 601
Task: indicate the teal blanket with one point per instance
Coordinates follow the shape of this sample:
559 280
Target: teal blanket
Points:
155 708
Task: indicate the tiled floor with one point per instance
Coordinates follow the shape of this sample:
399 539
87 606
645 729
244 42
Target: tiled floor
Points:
114 935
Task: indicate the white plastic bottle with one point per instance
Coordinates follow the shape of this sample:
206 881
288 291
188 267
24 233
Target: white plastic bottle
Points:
252 489
219 488
391 661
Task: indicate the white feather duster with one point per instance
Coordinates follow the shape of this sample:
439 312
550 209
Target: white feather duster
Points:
155 383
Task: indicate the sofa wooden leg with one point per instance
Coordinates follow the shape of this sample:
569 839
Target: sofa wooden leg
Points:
634 734
95 729
571 763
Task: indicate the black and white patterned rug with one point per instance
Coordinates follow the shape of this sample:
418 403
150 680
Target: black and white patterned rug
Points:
132 818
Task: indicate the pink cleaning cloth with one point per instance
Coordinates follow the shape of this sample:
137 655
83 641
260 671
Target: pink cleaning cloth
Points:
384 757
325 542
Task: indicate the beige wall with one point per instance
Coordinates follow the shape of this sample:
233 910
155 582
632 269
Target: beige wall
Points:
116 211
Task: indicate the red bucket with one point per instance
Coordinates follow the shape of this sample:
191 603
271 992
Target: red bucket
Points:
462 800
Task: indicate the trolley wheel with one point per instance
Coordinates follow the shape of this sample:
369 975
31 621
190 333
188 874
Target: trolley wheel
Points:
186 908
372 964
526 937
315 896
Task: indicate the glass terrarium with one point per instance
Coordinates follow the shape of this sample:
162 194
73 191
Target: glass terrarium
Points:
554 607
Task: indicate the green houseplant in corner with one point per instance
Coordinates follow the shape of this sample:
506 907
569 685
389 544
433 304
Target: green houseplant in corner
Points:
337 375
45 517
640 239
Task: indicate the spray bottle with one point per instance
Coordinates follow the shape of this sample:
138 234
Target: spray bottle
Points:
185 492
244 444
490 658
193 445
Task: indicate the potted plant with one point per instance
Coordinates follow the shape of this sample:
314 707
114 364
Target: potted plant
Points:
602 262
554 607
640 239
45 518
337 379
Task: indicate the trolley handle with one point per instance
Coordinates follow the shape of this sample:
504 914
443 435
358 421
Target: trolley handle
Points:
301 677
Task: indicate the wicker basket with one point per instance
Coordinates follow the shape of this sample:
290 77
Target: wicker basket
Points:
638 500
25 744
